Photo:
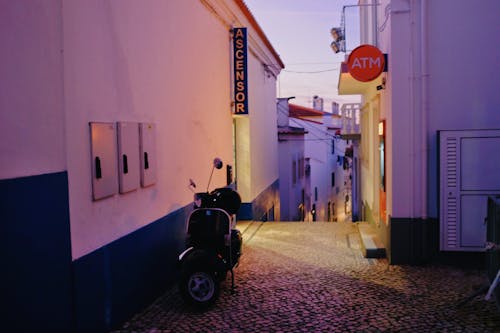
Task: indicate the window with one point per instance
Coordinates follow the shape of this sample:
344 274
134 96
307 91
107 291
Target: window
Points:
315 194
333 146
333 179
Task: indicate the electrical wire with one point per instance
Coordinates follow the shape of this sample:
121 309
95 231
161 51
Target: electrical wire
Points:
311 72
308 63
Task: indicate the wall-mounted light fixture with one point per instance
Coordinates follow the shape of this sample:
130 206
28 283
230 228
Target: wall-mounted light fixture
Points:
338 33
338 44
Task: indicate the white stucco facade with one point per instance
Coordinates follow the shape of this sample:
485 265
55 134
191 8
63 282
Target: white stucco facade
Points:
132 64
168 64
314 179
32 108
327 186
291 153
434 82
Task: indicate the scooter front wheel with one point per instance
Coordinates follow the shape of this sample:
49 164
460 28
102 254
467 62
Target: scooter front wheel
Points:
199 288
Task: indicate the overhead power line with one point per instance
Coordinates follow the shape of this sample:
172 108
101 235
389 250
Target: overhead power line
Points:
311 72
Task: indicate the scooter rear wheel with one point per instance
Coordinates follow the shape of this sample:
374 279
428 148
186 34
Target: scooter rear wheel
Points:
201 286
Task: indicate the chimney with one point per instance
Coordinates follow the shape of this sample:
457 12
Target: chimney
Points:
317 103
283 111
335 108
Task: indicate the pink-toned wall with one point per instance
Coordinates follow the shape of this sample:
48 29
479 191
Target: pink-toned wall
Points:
165 63
161 62
31 89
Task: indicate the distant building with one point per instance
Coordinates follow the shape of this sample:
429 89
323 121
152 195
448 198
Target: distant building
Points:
108 109
291 148
335 109
325 178
429 123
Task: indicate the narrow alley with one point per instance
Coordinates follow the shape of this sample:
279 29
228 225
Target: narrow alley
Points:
312 277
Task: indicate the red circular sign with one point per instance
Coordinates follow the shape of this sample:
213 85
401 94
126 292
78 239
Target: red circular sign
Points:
366 63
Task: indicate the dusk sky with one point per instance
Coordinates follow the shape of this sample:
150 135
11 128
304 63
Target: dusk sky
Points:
299 30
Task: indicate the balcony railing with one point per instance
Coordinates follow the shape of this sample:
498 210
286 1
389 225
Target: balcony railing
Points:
350 113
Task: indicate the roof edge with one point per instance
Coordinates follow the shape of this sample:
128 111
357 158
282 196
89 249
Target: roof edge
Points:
248 14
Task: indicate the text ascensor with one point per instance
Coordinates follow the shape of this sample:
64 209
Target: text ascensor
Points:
240 71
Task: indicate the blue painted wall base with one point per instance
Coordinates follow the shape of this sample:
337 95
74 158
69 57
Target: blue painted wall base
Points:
35 252
44 291
120 279
265 207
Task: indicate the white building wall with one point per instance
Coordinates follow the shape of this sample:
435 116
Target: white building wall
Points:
124 67
263 136
31 90
448 90
283 111
290 152
284 168
366 163
321 167
439 78
318 148
343 183
462 86
65 64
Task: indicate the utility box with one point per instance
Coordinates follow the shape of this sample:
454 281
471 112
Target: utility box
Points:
147 133
104 158
128 156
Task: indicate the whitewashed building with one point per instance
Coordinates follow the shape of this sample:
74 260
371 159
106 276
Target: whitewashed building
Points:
107 110
321 183
429 123
292 164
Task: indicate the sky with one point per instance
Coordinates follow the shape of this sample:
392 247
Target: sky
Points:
299 31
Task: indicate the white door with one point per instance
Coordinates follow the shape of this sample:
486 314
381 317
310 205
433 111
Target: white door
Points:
469 173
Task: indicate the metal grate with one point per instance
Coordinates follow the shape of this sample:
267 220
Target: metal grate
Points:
451 162
451 201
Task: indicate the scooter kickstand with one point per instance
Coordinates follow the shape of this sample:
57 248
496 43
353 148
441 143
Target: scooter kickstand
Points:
233 287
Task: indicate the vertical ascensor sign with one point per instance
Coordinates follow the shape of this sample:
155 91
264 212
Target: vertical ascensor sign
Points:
240 71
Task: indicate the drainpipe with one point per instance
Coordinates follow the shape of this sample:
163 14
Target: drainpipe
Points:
425 103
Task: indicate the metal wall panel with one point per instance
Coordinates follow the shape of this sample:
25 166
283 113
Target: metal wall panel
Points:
104 165
128 156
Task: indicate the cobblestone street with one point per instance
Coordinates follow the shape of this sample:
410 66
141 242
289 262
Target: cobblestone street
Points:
311 277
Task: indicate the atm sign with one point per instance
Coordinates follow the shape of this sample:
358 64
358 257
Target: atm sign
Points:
366 63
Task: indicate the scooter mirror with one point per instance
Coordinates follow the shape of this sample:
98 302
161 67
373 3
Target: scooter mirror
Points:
217 163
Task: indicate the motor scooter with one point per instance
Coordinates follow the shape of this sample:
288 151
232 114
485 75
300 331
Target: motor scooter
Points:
213 244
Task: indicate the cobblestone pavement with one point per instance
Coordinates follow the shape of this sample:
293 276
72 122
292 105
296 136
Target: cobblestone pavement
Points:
311 277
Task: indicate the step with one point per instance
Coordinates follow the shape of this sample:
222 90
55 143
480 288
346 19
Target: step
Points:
371 245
